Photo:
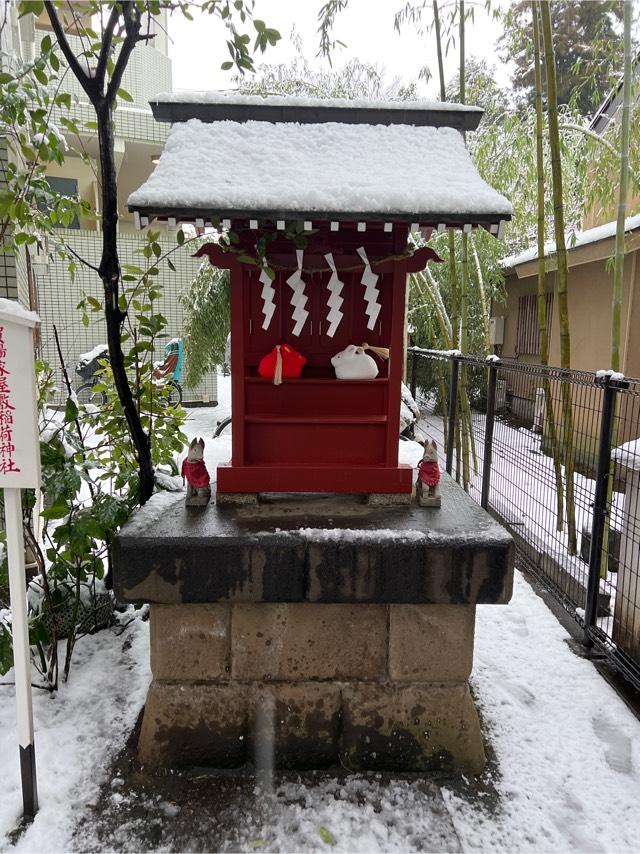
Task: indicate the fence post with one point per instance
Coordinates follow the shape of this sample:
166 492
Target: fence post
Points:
600 503
453 409
493 364
414 373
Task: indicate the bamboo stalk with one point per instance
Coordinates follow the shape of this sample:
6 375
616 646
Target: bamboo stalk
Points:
562 273
623 190
542 302
486 326
436 22
618 274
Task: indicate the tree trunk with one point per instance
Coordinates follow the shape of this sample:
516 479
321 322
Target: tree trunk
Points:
562 272
542 299
110 274
102 97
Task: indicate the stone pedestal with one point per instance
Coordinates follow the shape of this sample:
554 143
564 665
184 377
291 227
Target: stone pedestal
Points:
354 624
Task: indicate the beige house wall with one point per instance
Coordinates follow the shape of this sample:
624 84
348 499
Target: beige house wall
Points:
589 296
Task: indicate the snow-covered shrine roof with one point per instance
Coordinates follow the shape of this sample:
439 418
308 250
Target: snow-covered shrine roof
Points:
234 157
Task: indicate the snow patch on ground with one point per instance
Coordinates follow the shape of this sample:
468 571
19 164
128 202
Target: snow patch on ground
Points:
77 732
567 747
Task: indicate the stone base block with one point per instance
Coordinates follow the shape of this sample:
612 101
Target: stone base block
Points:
198 498
429 501
388 499
190 642
304 641
303 719
190 724
236 499
417 727
431 643
217 725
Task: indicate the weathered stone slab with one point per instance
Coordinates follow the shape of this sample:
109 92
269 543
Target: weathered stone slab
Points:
302 641
190 642
186 724
305 720
431 643
417 727
318 548
216 725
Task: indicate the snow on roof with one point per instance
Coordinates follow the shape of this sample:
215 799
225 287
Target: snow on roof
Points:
582 238
12 312
228 166
628 455
192 96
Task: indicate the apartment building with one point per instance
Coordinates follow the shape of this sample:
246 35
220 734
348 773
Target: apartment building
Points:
46 285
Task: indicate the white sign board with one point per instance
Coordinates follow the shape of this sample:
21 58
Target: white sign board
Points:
19 434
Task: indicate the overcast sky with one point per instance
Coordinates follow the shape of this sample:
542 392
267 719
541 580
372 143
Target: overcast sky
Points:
366 26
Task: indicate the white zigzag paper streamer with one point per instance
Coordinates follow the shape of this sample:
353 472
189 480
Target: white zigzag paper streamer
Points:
298 298
334 286
268 293
371 292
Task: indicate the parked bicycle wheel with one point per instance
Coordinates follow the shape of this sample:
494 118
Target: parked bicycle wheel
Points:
221 426
175 393
87 395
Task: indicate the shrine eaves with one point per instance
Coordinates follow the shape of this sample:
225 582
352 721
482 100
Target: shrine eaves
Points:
230 157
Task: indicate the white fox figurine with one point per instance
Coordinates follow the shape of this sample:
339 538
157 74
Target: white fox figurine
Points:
196 474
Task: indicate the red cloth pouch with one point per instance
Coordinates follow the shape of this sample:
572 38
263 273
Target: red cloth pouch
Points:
291 363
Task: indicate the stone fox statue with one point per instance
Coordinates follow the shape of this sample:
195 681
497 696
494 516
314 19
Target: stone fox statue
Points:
196 474
428 476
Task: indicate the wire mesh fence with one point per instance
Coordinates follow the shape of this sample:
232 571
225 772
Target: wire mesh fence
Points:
555 455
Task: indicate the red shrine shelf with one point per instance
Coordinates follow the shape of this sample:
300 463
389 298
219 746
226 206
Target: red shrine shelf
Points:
318 433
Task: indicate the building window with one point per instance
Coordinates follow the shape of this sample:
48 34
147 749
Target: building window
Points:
528 327
65 187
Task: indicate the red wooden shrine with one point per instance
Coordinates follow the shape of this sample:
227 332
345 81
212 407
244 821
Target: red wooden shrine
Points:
317 433
351 177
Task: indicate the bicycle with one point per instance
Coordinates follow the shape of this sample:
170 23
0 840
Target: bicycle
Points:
90 363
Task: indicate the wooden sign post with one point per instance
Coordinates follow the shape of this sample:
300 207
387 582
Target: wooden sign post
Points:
19 469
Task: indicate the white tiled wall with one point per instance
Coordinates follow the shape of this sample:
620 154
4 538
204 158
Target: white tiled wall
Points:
59 296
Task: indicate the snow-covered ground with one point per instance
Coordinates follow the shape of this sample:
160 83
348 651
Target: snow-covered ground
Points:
523 492
566 773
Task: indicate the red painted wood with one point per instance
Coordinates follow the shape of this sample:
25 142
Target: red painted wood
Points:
316 397
396 360
282 478
318 433
238 346
415 261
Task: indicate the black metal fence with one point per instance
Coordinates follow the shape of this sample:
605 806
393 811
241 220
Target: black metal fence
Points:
511 433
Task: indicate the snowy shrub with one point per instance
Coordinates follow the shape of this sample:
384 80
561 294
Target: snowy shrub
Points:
90 480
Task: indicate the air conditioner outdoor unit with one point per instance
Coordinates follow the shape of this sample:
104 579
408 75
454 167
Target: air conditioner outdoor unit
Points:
496 331
538 411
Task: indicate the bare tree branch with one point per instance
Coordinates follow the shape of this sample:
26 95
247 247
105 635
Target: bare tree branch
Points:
83 78
107 38
131 14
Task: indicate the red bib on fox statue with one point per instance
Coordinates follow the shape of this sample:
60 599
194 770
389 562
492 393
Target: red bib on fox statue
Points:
428 476
282 363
